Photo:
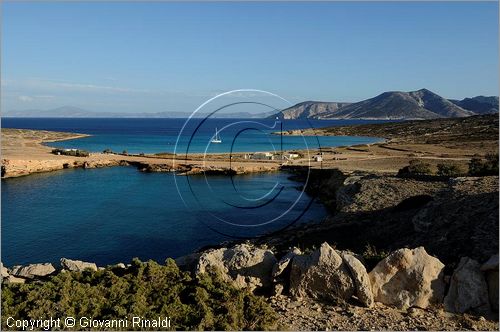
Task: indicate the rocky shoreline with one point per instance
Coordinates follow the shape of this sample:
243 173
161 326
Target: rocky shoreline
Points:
408 282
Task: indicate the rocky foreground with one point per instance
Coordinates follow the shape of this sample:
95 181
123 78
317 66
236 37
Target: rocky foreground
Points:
397 254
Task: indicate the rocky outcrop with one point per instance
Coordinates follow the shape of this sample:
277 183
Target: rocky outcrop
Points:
33 271
284 262
490 268
16 167
468 289
321 275
4 271
361 279
77 266
408 278
244 265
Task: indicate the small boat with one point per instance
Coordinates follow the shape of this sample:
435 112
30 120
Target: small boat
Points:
216 138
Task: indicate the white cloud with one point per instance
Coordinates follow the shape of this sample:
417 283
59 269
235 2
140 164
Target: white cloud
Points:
25 99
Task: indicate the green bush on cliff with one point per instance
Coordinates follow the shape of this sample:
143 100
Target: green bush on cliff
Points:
145 289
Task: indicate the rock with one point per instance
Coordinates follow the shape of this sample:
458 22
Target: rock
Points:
4 271
278 289
120 266
14 280
321 275
33 270
244 265
490 268
77 266
283 263
468 289
408 278
361 279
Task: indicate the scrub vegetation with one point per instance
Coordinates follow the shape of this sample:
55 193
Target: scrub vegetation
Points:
145 289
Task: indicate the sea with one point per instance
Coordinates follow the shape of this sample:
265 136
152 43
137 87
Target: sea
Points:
114 214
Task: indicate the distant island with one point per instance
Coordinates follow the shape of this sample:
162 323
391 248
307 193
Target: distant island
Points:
396 105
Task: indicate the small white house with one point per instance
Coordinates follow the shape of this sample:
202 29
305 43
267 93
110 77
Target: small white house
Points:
318 157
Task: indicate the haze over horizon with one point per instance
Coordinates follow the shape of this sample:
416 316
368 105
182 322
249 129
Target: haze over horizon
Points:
157 57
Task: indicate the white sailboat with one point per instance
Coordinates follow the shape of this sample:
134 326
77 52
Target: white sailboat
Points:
216 138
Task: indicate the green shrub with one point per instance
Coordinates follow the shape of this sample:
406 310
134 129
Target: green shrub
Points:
450 170
415 167
72 152
107 151
482 167
372 256
145 289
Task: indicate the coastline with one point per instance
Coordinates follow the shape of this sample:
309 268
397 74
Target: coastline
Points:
375 217
435 141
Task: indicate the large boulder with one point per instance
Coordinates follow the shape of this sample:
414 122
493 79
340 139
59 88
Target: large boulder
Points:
468 289
321 275
33 271
361 279
244 265
77 266
490 268
408 278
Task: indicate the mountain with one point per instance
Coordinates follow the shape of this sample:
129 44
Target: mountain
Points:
76 112
479 104
310 109
421 104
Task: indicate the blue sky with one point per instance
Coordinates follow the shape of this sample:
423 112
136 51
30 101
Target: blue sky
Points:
151 57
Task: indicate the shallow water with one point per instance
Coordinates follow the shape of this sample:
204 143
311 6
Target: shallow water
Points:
162 135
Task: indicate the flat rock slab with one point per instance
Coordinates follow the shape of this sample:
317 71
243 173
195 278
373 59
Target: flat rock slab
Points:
33 270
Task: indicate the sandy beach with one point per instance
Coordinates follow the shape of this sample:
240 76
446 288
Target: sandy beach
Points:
24 152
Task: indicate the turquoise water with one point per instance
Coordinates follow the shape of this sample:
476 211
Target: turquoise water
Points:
114 214
161 135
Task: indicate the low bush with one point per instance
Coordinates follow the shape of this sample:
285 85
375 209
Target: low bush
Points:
372 256
415 168
449 170
145 289
484 166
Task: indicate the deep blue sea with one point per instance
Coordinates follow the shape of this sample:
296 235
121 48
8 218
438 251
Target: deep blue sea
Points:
113 214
